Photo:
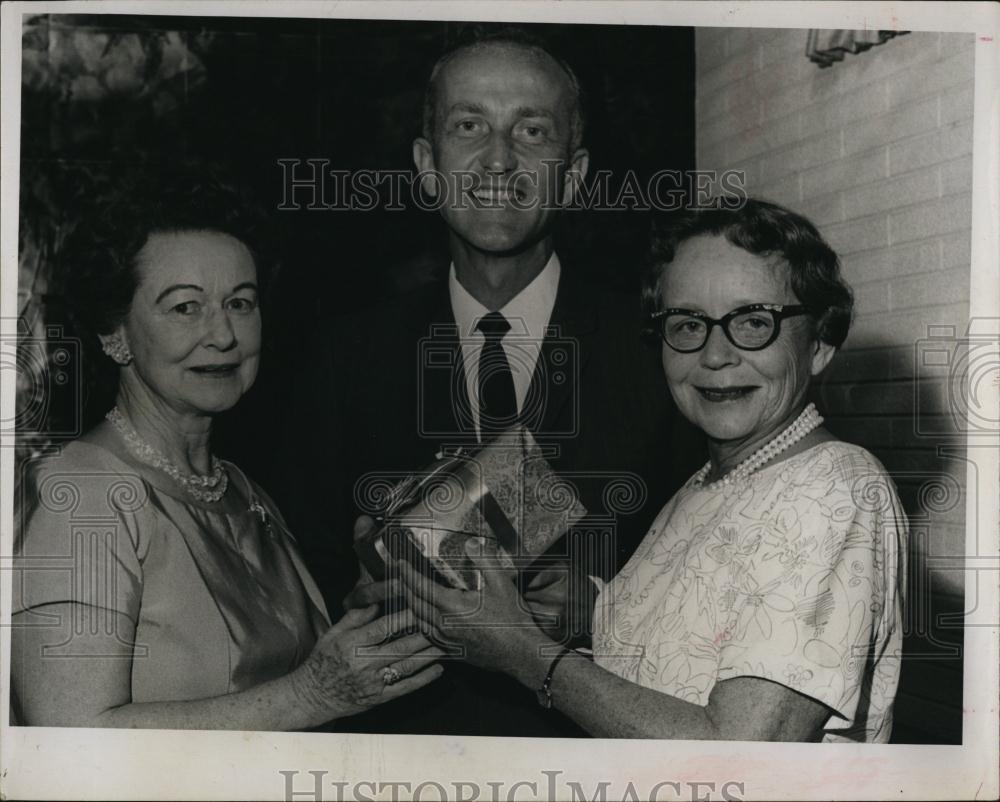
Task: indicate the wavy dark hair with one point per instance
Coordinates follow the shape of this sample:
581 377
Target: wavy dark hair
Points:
97 264
763 229
99 260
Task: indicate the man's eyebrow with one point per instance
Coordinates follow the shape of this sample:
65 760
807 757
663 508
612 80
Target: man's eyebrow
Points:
175 287
532 111
466 106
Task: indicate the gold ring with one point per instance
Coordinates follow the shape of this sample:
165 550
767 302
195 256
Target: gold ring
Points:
390 676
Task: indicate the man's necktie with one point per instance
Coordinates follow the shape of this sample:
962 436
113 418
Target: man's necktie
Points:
497 401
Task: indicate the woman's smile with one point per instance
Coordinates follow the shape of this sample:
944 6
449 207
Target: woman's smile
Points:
224 370
721 395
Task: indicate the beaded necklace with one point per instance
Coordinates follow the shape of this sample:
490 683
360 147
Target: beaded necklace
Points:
209 488
807 420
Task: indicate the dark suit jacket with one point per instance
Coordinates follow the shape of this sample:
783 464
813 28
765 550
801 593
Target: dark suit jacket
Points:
388 391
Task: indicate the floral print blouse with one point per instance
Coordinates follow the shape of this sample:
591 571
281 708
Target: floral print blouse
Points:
794 575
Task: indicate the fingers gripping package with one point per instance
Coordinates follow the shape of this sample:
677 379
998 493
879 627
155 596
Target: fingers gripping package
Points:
505 496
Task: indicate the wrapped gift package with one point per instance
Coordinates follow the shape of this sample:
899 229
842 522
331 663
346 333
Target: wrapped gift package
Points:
505 493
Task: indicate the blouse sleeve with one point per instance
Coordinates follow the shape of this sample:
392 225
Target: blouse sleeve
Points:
816 603
81 544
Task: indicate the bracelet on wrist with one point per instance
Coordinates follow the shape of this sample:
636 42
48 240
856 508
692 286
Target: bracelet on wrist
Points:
544 693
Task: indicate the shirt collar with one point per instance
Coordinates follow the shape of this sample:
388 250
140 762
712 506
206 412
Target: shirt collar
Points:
529 311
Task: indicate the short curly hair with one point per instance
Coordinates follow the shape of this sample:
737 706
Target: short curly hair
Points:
763 229
98 262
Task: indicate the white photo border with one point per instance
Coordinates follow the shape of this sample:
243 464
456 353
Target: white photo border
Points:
37 762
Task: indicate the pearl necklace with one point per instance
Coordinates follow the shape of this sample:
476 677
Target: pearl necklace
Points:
807 420
209 488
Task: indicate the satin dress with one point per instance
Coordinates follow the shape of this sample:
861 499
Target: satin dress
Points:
218 596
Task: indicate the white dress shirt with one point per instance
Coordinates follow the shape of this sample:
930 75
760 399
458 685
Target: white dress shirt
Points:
528 313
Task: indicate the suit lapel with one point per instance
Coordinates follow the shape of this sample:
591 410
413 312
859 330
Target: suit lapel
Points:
443 411
563 359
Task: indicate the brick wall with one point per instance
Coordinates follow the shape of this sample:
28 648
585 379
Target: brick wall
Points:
877 151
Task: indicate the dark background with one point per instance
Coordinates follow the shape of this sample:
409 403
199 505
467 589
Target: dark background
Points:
350 92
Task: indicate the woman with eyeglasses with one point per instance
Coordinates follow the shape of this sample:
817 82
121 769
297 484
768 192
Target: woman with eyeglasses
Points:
765 603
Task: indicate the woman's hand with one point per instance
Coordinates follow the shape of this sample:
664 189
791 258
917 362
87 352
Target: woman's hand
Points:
493 625
344 674
546 597
367 590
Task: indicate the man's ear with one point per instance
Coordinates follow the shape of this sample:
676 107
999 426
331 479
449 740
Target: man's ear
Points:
576 172
423 159
822 354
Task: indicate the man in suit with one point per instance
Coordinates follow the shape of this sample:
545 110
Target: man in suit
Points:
511 335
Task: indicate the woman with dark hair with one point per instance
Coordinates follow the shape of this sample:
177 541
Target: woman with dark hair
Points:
765 603
164 572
